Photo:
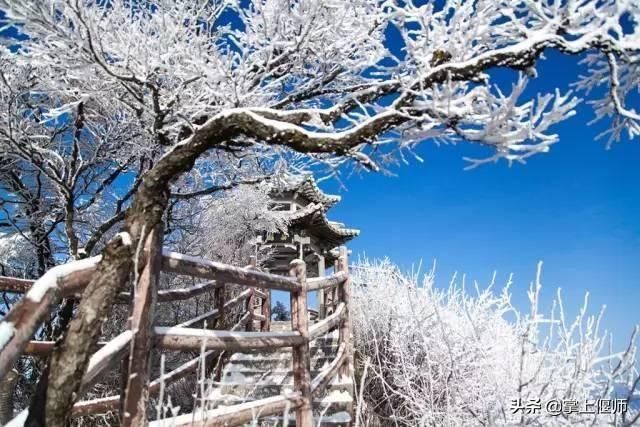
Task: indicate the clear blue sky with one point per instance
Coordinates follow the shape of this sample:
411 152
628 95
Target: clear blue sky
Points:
576 208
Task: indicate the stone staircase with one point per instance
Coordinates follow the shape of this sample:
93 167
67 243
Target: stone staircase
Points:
256 375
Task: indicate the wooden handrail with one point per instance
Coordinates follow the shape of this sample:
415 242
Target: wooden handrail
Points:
176 338
111 353
134 409
261 294
243 321
329 323
182 264
215 313
209 315
236 414
111 403
237 299
317 283
26 315
14 284
71 279
171 295
99 405
321 381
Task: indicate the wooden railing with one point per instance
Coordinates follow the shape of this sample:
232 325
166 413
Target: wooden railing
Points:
40 297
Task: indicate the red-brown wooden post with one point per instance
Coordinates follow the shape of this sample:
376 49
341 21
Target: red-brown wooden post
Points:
323 295
251 301
265 325
141 321
335 292
345 295
219 299
219 296
301 354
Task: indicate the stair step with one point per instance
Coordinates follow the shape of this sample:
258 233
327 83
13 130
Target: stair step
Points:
325 340
269 388
252 376
273 363
260 374
338 419
327 346
335 401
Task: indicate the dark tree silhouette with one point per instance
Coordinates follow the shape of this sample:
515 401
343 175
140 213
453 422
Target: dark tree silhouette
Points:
279 312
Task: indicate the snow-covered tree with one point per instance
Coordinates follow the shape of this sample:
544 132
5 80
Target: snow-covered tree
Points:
235 217
231 90
319 76
452 356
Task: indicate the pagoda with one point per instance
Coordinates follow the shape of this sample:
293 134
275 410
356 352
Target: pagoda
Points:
310 236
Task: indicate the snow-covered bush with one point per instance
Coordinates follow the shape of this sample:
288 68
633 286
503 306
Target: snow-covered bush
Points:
454 357
16 255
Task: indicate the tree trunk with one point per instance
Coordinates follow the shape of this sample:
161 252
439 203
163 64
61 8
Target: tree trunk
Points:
71 356
7 386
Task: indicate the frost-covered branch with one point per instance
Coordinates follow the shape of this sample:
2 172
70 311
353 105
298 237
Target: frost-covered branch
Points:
327 68
464 356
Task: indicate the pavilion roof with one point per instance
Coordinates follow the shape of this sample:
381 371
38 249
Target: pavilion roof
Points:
306 186
313 219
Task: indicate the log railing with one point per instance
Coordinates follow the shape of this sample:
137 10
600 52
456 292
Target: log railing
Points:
27 315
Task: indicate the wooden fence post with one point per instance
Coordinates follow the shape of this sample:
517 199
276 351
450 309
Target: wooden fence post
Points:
335 291
345 329
137 390
265 325
301 354
322 294
251 301
219 300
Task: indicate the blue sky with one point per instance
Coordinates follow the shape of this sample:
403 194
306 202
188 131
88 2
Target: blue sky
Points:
576 208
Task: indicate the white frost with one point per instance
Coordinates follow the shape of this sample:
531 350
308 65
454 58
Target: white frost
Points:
7 330
163 330
18 420
125 238
50 278
110 349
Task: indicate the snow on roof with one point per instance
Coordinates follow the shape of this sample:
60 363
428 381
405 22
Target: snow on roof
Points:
312 217
306 186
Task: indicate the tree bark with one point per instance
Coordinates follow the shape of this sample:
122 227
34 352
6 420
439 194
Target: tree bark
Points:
69 359
7 386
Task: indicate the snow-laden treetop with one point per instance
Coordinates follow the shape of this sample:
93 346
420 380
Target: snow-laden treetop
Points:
318 76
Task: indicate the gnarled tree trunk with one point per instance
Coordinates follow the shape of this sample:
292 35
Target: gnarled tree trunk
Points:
7 386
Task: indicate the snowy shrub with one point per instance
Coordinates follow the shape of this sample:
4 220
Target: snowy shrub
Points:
16 255
452 357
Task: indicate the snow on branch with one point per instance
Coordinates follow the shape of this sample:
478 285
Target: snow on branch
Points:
465 355
322 77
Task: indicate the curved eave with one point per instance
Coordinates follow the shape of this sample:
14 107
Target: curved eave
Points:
302 213
311 192
307 188
313 219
